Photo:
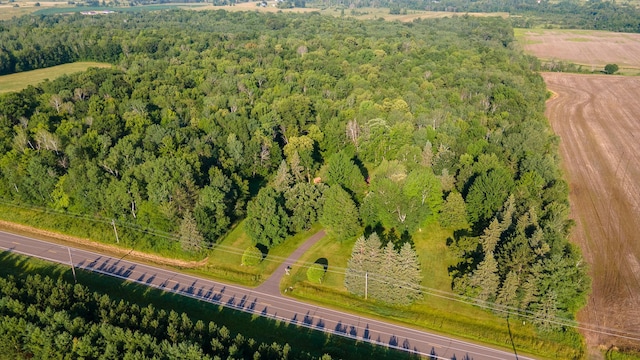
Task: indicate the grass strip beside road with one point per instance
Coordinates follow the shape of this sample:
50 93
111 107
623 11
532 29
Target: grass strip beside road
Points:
19 81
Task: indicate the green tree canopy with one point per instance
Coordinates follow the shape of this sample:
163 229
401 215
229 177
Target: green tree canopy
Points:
339 214
267 221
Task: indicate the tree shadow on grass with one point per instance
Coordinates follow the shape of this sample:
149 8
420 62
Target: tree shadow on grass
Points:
324 262
263 249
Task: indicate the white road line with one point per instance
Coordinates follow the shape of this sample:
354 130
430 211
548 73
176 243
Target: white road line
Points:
293 306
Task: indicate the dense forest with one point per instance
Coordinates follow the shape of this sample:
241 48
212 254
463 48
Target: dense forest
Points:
209 118
43 318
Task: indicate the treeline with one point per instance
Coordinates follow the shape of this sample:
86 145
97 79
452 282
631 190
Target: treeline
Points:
568 14
209 118
43 318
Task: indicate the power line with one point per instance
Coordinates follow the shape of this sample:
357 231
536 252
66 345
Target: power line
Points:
340 271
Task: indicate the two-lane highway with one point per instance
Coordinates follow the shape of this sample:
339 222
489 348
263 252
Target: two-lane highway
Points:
252 301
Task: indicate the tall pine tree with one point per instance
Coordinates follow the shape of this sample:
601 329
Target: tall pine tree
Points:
340 214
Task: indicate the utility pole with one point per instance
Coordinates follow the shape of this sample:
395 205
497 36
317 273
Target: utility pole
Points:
366 284
73 269
113 222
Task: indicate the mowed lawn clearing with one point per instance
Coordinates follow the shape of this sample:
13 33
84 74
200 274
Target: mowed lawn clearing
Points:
19 81
596 117
590 48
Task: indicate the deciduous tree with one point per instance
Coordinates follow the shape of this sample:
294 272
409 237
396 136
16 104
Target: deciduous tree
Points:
267 221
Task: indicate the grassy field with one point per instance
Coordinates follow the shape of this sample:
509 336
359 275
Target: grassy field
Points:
19 81
258 328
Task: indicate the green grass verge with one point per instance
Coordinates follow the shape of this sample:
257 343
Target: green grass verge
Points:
432 312
225 261
96 229
261 329
617 354
19 81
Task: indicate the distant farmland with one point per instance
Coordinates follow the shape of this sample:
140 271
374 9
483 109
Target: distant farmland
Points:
19 81
592 49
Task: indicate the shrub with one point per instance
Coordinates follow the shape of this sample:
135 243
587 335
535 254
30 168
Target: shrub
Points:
315 273
610 68
252 256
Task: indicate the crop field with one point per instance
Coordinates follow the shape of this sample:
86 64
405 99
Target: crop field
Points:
592 49
359 13
19 81
596 117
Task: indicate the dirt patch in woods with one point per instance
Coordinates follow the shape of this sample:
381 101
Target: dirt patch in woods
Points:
597 119
96 246
594 49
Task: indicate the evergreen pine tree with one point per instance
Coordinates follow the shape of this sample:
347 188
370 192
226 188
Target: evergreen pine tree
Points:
409 269
385 285
454 212
355 273
547 311
297 170
340 214
190 237
485 278
267 222
491 236
282 181
508 293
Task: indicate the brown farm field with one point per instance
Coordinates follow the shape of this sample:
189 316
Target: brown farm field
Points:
592 49
366 13
597 119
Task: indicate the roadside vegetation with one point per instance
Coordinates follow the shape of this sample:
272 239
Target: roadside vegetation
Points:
216 132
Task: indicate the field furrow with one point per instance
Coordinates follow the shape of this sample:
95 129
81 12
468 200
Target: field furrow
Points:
597 119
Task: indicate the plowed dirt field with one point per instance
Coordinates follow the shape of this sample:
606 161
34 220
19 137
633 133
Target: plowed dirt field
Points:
594 49
598 120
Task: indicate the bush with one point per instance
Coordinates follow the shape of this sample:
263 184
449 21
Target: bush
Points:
252 256
610 68
315 273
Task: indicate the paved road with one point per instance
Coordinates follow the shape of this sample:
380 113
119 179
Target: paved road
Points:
254 301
